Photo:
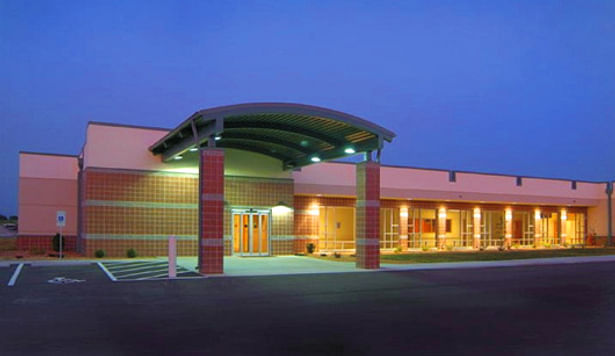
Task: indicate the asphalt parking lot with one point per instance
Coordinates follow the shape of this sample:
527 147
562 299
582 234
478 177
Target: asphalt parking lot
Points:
556 309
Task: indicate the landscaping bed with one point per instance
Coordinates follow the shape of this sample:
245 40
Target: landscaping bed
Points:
467 256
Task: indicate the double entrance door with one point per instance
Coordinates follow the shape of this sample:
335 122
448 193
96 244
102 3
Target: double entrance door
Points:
251 232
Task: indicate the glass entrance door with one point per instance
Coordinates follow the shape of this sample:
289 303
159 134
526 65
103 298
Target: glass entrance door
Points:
250 232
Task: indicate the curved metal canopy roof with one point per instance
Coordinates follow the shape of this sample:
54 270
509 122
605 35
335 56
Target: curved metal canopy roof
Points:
295 134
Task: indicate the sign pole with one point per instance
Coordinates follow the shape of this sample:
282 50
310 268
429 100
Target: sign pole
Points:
60 222
60 256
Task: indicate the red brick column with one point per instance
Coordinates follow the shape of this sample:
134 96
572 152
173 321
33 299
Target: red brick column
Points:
368 215
211 210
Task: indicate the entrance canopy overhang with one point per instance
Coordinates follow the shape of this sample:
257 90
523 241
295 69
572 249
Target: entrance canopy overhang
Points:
296 134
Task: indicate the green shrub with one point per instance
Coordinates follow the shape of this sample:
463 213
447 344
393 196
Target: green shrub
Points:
99 253
425 249
397 249
310 247
131 253
55 243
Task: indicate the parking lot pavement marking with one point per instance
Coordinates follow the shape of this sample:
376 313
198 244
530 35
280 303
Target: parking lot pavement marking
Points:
111 277
132 268
140 271
122 265
149 271
15 275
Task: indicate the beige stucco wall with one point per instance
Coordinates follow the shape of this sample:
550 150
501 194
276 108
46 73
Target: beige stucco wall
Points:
122 147
47 184
597 217
413 183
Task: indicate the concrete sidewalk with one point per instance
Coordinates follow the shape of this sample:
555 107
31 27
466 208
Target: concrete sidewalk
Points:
289 265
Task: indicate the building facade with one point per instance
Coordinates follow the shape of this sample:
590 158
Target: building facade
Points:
256 180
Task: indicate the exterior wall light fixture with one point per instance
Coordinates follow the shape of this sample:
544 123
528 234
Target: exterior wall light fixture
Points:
281 208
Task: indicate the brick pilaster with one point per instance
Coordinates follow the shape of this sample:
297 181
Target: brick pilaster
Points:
403 228
442 228
537 229
368 215
476 226
211 210
508 228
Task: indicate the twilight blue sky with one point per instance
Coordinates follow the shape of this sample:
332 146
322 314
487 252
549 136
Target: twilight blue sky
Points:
520 87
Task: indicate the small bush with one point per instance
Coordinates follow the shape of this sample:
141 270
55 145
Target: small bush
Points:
99 253
425 248
131 253
310 248
55 243
449 247
397 249
337 255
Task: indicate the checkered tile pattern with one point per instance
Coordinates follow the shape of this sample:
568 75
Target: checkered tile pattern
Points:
123 209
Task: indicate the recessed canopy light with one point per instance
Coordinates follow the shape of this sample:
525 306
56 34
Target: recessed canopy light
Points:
315 159
194 149
218 138
178 157
349 150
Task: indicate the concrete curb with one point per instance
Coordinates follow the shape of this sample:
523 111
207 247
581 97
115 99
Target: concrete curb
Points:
384 267
491 264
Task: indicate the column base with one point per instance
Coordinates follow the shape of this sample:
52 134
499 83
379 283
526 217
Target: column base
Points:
368 256
212 260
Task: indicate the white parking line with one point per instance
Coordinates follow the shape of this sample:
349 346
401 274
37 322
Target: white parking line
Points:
129 265
144 272
106 272
15 275
130 268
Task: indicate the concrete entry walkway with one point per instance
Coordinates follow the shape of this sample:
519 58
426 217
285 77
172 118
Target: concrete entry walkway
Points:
276 265
285 265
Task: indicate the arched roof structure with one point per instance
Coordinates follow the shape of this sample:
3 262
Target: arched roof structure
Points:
295 134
